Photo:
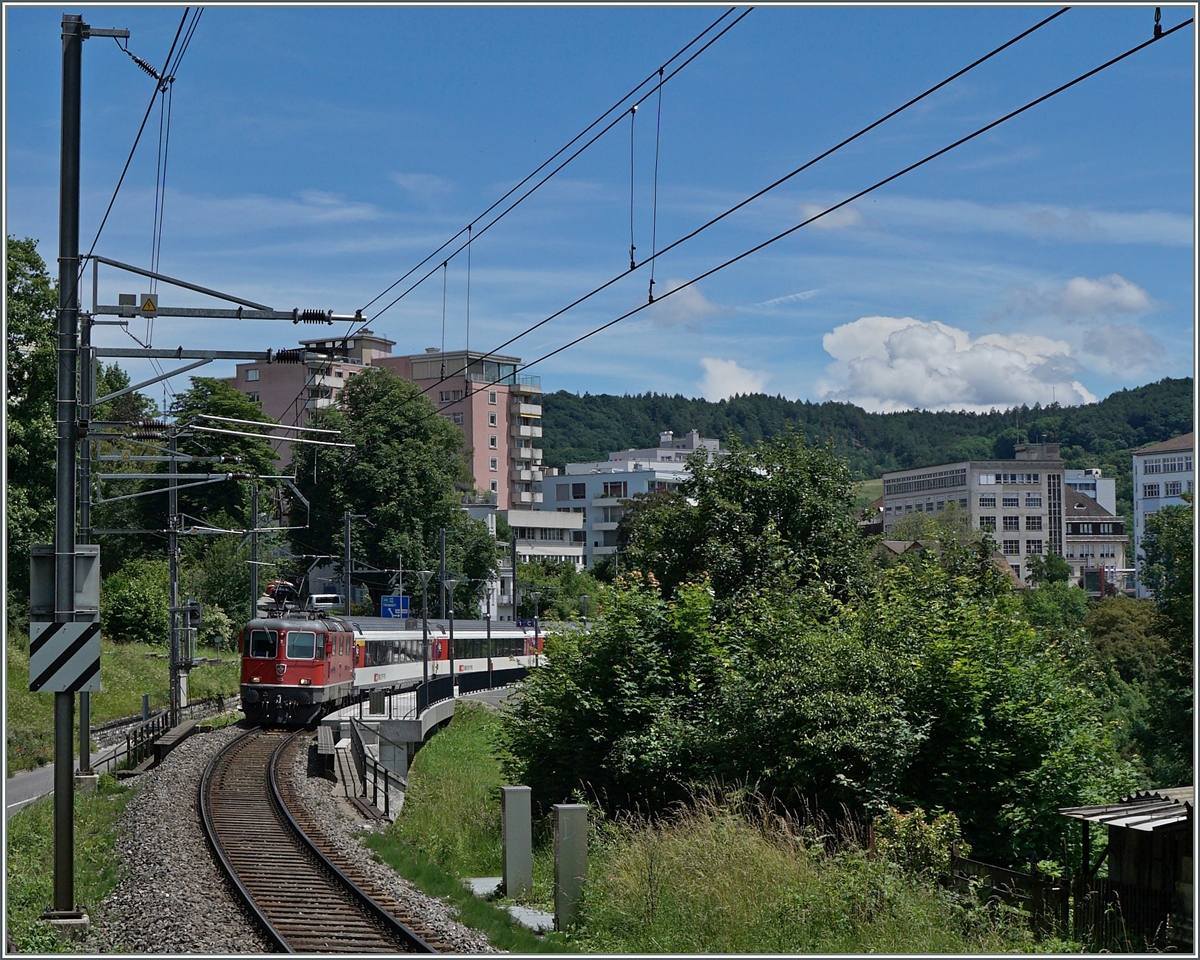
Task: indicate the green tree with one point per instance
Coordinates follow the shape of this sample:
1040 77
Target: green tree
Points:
1167 570
31 305
561 587
404 475
1124 638
782 513
134 603
1047 568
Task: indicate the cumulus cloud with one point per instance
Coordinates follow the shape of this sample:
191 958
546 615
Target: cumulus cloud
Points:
725 378
840 219
897 363
688 306
1080 298
423 186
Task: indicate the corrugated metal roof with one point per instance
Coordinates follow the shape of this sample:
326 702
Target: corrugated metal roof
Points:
1147 810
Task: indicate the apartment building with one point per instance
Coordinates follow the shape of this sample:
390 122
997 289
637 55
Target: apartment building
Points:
498 410
547 537
1091 482
1162 473
596 491
1096 545
1019 501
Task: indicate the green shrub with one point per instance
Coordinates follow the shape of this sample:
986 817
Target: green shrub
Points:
134 603
922 844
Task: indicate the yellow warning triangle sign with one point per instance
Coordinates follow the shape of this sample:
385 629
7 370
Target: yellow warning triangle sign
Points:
149 303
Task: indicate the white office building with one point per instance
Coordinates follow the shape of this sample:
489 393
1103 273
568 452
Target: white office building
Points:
1020 502
596 491
1162 473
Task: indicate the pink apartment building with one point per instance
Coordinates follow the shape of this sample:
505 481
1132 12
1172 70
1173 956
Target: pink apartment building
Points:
498 410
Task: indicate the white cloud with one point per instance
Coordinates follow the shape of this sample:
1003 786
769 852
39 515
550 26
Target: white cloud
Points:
790 298
837 220
725 378
1105 297
1037 220
423 186
1121 349
890 363
689 305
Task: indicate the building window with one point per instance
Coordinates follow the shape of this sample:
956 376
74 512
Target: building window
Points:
562 491
495 486
1172 488
1033 499
1108 550
492 421
1106 528
1151 466
491 396
1177 464
579 491
492 443
251 374
613 514
987 523
988 500
1011 500
579 536
1150 490
253 396
1012 523
616 488
1033 523
1033 546
1011 547
457 418
493 464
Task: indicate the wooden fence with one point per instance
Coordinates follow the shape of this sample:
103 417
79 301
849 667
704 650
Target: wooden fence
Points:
1097 912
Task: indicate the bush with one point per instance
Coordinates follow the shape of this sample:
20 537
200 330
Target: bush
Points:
921 844
134 603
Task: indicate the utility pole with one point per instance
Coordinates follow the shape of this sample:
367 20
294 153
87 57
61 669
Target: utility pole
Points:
74 32
346 563
514 573
253 551
442 573
173 561
87 391
64 461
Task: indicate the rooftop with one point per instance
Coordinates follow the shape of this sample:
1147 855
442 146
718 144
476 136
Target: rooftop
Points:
1079 506
1147 810
1184 441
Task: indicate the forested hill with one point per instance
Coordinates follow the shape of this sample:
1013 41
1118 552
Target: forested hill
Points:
580 428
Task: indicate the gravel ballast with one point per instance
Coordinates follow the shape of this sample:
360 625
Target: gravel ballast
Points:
173 897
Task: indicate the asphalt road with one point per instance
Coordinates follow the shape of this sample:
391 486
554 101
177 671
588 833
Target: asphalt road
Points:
28 785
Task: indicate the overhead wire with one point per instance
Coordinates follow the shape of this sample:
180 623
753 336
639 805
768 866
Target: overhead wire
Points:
531 191
551 159
654 202
856 196
800 169
632 248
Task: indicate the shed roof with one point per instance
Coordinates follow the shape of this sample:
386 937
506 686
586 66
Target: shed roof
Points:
1147 810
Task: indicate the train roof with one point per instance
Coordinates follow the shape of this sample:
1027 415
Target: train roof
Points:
385 627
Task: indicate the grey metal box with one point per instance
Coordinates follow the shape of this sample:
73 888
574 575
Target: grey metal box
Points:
41 580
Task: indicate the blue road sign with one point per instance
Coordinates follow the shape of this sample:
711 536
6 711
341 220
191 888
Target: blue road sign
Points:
393 607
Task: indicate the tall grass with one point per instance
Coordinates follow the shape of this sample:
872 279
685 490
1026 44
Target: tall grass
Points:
722 878
29 863
126 672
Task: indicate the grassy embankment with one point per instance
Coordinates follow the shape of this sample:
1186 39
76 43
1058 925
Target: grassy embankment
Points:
712 880
126 673
29 863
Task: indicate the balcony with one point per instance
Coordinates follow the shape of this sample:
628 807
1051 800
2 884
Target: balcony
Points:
526 453
527 409
604 526
522 431
332 382
522 496
316 403
523 475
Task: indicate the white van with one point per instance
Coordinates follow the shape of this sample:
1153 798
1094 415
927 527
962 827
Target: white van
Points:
325 601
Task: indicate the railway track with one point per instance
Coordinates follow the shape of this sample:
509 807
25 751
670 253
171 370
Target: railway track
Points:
304 894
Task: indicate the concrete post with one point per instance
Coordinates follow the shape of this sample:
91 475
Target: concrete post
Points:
517 827
570 860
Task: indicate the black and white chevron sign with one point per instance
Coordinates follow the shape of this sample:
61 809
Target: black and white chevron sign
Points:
64 657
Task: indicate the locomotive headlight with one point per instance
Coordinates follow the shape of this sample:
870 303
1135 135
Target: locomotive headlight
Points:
256 679
305 681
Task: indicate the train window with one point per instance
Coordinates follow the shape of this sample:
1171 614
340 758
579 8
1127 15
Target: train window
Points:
301 645
263 644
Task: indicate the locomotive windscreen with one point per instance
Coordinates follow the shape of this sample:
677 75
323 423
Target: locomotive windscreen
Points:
301 644
263 644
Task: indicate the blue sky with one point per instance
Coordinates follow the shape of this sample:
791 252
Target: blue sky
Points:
316 154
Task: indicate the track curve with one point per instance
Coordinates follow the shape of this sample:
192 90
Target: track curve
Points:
305 902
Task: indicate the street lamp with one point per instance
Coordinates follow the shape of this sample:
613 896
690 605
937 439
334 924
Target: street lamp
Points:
425 576
583 598
451 583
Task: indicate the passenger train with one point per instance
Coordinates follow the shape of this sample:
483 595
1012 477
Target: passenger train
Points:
299 664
